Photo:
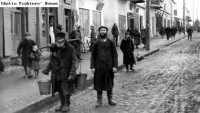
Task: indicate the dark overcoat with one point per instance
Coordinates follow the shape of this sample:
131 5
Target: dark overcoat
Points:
35 60
103 58
24 49
1 65
62 65
127 48
115 31
76 34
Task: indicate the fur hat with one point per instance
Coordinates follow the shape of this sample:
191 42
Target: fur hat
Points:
103 27
60 36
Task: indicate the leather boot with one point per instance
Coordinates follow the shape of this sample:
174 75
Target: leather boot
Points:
99 99
66 107
62 102
110 101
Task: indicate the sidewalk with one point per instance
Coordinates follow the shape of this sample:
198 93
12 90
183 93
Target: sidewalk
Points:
17 93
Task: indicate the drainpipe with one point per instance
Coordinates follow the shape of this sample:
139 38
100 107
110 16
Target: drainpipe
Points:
38 26
3 34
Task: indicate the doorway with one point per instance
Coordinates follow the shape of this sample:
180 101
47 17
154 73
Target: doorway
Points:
16 30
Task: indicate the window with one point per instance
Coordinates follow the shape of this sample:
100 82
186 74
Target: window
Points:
11 16
67 1
26 20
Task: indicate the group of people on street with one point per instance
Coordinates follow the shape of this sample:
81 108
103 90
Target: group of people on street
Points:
104 63
65 55
63 61
30 55
169 31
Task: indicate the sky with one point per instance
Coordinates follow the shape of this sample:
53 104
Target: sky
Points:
192 5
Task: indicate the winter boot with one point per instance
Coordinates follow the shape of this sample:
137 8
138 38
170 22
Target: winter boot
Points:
66 107
110 101
62 102
99 99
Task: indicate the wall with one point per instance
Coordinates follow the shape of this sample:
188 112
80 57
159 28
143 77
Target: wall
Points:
9 46
152 23
7 32
112 10
1 32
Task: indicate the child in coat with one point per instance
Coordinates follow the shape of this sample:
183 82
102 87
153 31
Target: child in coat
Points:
35 59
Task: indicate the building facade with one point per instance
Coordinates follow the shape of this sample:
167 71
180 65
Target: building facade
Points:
14 23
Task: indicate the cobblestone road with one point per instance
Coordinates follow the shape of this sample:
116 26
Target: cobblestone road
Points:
166 82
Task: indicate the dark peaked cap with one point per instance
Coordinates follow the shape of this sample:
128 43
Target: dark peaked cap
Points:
103 27
60 35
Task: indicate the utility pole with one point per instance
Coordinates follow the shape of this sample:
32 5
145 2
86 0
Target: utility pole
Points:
184 19
148 2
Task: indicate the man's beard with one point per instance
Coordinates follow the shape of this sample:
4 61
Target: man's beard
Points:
103 35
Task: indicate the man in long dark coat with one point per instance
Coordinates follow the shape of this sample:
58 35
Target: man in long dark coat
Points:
63 69
127 47
1 65
75 40
189 31
168 32
104 62
115 33
23 51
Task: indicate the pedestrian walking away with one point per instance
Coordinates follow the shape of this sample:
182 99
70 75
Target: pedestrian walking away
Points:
168 32
35 60
1 65
63 69
127 47
23 50
104 62
189 31
115 33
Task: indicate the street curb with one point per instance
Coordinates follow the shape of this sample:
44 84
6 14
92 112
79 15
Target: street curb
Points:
48 101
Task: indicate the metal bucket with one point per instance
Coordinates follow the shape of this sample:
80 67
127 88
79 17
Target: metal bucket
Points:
44 87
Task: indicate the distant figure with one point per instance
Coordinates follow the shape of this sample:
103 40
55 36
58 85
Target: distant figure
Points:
1 65
24 50
35 60
51 33
93 37
76 38
115 33
173 32
127 47
136 35
168 32
162 32
189 31
58 29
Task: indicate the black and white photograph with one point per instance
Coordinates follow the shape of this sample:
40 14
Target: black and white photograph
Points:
99 56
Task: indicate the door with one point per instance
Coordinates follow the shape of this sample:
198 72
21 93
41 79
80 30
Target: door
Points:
96 19
141 23
68 22
1 32
84 22
16 30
